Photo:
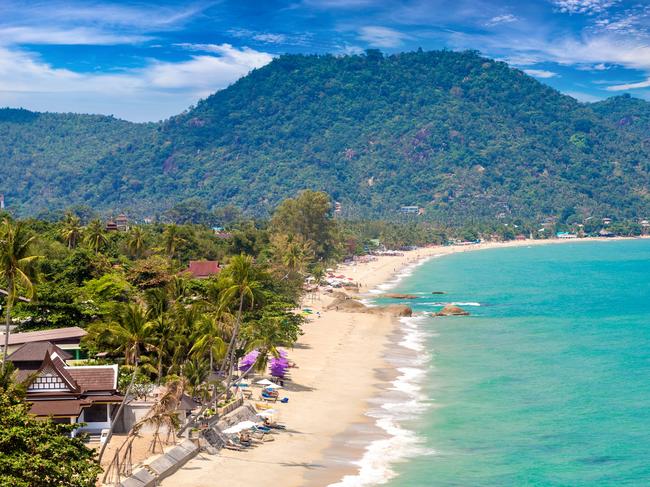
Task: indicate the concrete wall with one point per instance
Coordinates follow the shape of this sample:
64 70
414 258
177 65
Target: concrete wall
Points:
163 466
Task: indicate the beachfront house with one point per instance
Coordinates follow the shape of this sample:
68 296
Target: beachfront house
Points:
69 394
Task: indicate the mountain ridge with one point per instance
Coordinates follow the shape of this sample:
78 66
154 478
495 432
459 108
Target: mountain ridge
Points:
461 135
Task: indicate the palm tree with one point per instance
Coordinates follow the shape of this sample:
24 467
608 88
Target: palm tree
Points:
130 332
95 236
163 331
15 268
265 336
172 240
297 254
71 230
209 338
241 284
136 242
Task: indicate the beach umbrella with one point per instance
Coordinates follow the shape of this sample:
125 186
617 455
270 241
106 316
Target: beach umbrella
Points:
264 382
273 386
267 413
244 425
278 366
248 360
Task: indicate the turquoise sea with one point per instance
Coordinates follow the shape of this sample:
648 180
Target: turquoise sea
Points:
547 383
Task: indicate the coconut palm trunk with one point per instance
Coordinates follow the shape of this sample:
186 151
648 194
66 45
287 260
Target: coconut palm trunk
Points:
7 323
230 354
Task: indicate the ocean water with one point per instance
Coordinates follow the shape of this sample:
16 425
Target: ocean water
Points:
547 383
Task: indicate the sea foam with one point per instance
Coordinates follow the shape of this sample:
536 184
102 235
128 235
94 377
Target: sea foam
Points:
403 400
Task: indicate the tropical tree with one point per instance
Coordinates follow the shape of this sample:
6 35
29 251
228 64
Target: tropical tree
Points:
242 287
209 337
172 239
36 452
71 230
130 332
266 336
95 236
136 242
16 271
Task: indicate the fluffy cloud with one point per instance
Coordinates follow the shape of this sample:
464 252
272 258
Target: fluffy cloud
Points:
540 73
156 91
584 6
377 36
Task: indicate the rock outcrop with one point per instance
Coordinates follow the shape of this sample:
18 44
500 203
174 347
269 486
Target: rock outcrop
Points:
437 292
353 306
392 309
452 310
400 296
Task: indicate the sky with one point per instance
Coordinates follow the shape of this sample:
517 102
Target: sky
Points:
146 61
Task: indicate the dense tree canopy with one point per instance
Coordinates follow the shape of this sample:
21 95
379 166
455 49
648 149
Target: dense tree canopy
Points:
458 134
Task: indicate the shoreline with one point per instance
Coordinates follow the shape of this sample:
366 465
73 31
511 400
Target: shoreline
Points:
344 365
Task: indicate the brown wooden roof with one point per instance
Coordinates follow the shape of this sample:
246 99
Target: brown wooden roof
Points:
94 378
36 351
56 335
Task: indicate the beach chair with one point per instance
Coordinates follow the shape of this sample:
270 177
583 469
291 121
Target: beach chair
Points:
266 397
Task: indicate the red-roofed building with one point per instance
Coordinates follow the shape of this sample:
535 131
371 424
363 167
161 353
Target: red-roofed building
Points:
82 394
203 269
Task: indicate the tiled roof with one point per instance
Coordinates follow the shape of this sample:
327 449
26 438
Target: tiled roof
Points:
36 351
94 377
203 268
64 407
45 335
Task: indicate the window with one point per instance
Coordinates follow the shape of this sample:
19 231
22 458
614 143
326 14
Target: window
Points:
97 413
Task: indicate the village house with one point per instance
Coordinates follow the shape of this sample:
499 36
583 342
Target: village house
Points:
69 394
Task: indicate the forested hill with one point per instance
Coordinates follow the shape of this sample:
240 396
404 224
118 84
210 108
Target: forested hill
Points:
456 133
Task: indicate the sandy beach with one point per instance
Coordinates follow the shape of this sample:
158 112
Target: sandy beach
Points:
341 366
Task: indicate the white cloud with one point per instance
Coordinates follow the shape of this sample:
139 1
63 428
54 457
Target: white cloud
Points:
142 15
378 36
501 19
61 36
630 86
271 38
540 73
584 6
342 4
156 91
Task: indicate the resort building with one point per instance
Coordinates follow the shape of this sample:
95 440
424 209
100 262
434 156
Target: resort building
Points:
80 394
566 235
67 339
122 223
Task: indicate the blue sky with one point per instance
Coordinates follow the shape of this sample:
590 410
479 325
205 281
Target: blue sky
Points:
146 60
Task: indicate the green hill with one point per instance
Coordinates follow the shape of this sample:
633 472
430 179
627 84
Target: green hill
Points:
459 134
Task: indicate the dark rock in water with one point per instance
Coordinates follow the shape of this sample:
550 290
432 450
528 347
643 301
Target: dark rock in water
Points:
437 292
452 310
400 296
